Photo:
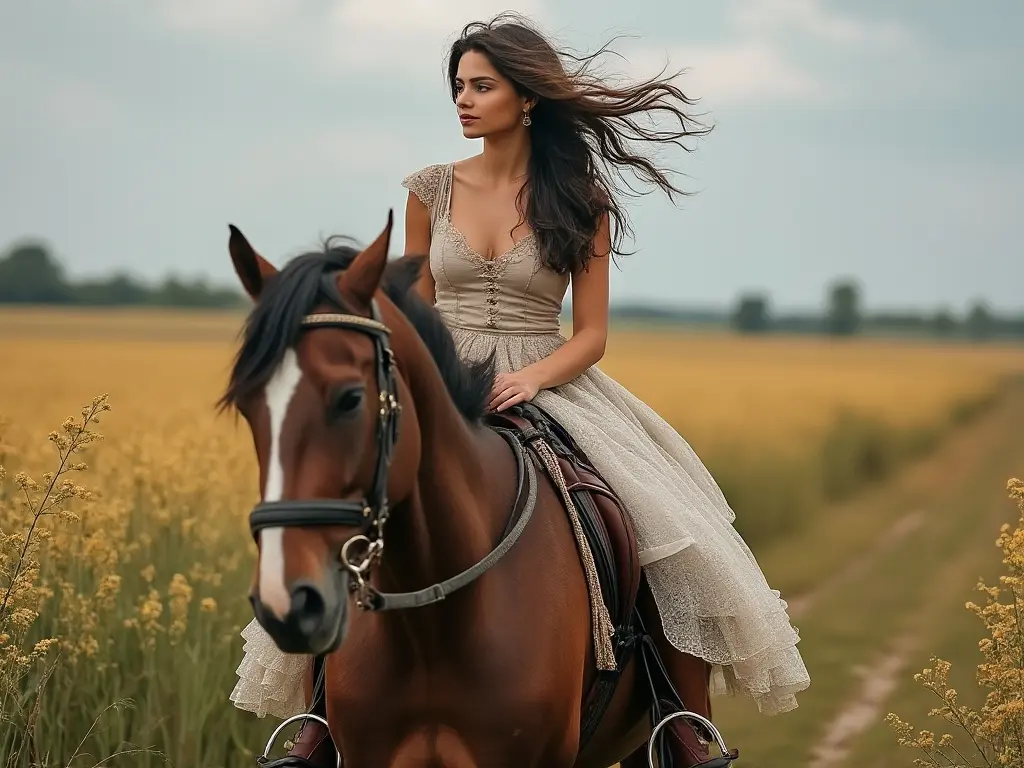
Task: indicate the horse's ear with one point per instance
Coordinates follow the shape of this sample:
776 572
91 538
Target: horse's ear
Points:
362 277
252 269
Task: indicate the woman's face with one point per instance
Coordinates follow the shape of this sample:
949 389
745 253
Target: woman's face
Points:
486 101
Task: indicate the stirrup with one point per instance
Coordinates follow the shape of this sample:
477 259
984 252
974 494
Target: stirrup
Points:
292 761
716 762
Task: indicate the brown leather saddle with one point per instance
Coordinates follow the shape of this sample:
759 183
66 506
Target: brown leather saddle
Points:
609 531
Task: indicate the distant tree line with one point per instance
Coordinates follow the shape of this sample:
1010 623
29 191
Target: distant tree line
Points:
29 274
845 316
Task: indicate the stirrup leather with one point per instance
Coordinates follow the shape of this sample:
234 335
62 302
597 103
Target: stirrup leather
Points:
666 705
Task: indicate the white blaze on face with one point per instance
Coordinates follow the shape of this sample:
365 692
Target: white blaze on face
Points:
279 391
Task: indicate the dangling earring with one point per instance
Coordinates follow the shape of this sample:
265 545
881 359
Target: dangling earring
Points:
527 120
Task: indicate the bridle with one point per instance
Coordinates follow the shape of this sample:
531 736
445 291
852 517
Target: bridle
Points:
371 513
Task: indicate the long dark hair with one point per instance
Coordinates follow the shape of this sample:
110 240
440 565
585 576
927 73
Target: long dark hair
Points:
579 124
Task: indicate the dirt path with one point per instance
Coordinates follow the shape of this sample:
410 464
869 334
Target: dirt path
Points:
878 679
870 597
889 538
863 710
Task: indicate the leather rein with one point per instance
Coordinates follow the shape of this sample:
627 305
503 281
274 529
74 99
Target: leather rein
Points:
369 514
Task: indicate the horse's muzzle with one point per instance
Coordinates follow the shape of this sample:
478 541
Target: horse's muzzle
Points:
317 620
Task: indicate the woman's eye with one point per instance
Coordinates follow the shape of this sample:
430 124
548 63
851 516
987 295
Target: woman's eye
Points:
345 402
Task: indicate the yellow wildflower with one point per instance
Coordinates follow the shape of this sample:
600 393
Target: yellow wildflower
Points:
995 732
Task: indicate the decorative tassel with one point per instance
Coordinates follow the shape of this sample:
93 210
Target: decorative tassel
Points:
604 653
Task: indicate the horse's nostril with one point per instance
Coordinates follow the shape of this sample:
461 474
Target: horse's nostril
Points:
307 608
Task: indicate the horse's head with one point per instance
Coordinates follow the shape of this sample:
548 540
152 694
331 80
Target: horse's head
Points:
317 383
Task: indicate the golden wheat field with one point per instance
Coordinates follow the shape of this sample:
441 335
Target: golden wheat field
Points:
776 393
126 578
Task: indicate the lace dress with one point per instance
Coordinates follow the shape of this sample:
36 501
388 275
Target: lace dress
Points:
714 600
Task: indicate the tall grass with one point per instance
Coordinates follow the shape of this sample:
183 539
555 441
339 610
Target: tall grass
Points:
119 613
775 493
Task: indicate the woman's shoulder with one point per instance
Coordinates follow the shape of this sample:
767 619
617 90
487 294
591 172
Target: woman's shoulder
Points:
425 182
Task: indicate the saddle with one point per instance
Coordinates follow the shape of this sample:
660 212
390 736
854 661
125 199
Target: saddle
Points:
609 533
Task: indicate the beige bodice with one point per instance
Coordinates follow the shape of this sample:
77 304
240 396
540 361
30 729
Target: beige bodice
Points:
513 293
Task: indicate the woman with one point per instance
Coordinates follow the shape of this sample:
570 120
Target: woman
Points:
508 231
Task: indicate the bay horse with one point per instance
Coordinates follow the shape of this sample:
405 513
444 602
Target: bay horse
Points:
474 637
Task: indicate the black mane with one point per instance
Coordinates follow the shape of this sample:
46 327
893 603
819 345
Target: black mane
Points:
308 281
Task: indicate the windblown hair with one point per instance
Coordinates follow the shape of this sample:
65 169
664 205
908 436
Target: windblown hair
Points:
579 124
309 281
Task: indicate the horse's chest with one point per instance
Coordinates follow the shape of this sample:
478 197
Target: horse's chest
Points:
405 718
450 727
448 696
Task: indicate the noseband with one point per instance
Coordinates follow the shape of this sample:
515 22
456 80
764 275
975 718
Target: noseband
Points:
368 514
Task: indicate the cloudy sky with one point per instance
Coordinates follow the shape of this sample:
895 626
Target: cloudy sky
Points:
874 139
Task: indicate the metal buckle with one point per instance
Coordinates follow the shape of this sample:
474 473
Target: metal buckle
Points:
360 567
359 584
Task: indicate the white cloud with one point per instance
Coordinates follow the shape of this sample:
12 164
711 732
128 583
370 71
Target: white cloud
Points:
408 36
338 37
407 20
754 63
813 19
237 19
740 72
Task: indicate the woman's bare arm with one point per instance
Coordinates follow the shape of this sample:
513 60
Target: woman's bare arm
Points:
417 242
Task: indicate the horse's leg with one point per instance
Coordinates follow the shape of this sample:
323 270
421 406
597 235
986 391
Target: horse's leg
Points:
691 677
314 743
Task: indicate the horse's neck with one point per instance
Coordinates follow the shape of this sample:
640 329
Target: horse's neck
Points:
450 521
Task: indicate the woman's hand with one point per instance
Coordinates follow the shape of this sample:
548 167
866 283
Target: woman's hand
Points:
512 388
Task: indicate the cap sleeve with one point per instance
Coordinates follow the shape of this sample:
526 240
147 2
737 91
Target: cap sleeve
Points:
424 183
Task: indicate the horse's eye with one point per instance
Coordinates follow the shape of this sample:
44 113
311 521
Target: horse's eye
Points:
345 402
